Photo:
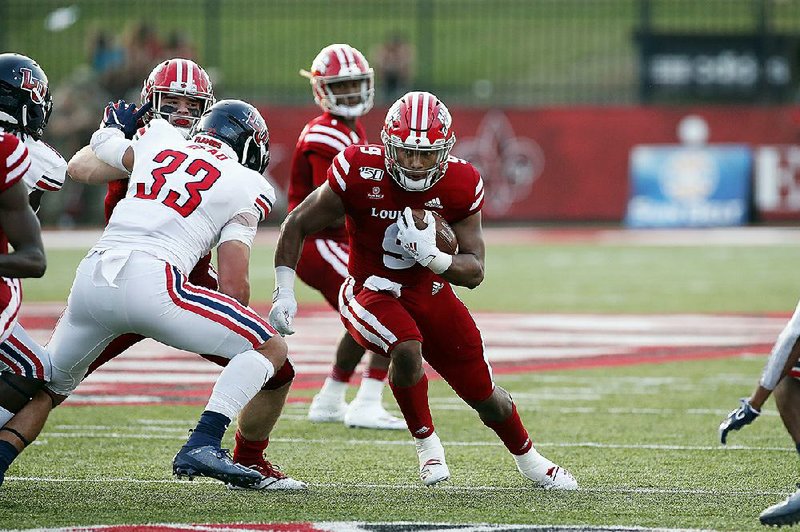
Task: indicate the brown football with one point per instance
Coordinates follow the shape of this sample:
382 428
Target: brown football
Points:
445 236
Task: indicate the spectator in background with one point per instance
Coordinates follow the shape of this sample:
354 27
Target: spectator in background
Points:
179 45
104 53
143 50
394 63
77 99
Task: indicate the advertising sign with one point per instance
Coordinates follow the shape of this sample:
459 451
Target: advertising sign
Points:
676 186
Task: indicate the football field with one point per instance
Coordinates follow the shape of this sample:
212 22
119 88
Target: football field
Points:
623 351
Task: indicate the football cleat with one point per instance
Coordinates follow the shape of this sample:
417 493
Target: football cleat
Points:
784 513
213 462
433 471
371 415
432 466
272 478
326 410
550 476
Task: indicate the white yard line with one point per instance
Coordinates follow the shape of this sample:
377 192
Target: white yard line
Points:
408 442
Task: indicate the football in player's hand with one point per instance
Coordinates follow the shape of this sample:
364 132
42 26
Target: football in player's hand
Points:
445 236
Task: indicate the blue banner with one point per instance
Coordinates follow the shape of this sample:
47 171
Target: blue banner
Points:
681 186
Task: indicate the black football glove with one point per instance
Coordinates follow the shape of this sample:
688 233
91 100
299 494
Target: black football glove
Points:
744 415
124 116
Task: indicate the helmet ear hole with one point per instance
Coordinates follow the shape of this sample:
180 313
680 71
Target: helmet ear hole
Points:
239 125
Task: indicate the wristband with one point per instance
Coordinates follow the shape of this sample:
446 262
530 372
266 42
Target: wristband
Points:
284 278
440 263
109 145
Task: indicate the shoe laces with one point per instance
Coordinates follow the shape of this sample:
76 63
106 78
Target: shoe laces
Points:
267 468
224 454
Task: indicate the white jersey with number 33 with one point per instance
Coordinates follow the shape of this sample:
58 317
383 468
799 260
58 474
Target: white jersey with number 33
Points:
185 197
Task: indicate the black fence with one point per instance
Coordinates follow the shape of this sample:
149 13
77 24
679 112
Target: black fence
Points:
473 52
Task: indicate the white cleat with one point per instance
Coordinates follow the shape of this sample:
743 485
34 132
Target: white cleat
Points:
784 513
550 476
371 415
432 466
433 471
326 410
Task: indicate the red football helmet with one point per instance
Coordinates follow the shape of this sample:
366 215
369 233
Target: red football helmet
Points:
419 123
337 63
177 77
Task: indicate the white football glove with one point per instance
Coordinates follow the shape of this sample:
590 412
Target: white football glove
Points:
421 243
284 305
284 308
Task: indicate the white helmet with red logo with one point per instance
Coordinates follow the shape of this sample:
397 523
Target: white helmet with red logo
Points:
177 77
419 122
337 63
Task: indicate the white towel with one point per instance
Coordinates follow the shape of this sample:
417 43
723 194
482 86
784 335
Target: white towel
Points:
381 284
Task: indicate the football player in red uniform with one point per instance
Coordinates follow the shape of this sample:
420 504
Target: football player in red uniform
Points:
398 300
342 84
19 227
180 91
25 108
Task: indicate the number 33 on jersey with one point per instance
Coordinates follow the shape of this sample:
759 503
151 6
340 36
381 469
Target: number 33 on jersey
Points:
189 195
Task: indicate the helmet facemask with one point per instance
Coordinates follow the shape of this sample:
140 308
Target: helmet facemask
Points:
411 179
180 121
336 104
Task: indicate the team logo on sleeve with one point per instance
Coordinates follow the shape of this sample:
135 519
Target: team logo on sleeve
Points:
375 194
35 86
373 174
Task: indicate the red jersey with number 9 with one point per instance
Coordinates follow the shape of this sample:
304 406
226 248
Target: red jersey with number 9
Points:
373 201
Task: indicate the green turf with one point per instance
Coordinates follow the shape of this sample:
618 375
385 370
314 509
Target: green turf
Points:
571 278
598 423
371 475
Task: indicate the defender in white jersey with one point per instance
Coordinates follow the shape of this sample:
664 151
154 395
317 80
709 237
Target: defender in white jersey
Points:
25 107
184 198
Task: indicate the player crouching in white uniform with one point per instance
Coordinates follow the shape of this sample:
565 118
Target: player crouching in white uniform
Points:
184 197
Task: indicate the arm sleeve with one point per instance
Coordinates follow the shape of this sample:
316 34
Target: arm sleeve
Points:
773 370
110 144
241 227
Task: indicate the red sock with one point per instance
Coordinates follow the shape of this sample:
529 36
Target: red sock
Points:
512 432
340 375
248 452
413 403
377 374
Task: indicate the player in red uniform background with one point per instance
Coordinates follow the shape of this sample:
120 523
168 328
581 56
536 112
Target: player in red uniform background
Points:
19 227
398 300
180 91
342 84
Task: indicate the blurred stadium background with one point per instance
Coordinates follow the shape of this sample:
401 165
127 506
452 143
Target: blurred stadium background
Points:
549 97
571 109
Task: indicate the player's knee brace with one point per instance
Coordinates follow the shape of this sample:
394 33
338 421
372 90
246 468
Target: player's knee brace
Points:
16 391
282 377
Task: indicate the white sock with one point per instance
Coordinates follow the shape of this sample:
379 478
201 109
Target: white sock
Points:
239 382
333 390
5 416
370 391
430 447
530 462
